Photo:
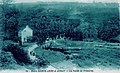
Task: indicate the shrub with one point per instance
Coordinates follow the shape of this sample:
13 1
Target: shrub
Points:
20 55
109 29
74 35
7 60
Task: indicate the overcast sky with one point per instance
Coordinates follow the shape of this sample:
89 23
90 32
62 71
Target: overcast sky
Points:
22 1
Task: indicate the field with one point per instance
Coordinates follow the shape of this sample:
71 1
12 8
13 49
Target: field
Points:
89 55
98 57
51 56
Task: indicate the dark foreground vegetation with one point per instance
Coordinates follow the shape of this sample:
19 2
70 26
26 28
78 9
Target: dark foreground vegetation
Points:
15 55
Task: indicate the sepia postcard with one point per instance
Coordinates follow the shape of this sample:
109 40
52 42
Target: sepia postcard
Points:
59 36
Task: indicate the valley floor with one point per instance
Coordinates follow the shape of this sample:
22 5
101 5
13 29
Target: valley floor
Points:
89 55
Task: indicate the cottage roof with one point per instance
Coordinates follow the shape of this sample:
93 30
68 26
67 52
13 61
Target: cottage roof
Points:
22 28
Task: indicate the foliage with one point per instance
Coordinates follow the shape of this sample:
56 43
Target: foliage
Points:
88 30
20 55
51 21
7 60
10 20
110 29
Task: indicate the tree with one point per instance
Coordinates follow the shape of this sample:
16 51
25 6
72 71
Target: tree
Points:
89 30
109 29
10 19
1 28
3 6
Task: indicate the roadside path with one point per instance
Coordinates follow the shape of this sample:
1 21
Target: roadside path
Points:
30 49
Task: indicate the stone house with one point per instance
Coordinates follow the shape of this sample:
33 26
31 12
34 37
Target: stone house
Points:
25 33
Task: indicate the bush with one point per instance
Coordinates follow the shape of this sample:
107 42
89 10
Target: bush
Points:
7 60
74 35
20 55
109 29
15 39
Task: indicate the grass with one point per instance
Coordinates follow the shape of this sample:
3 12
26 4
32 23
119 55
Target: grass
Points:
104 55
84 45
89 56
98 57
49 55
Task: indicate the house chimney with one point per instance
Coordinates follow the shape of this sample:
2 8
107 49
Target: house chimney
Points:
27 26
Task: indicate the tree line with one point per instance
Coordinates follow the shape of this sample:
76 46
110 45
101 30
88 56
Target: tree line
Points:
47 22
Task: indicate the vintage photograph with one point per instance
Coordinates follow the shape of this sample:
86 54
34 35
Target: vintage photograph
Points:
59 35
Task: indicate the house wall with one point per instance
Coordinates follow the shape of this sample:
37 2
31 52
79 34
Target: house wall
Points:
27 32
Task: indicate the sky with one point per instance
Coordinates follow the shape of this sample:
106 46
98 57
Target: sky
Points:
22 1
